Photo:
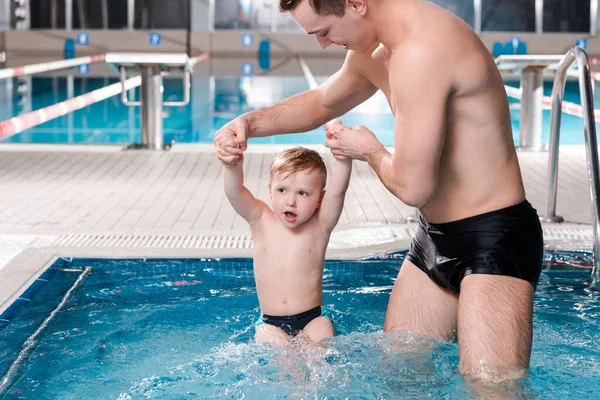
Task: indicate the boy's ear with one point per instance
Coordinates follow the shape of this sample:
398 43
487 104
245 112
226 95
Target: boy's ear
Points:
321 198
270 193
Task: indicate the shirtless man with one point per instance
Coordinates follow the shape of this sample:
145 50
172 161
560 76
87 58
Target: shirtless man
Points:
477 255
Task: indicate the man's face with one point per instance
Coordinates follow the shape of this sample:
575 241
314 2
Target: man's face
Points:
350 31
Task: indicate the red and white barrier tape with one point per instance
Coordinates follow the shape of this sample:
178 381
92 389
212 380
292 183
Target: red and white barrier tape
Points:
199 59
595 76
49 66
19 124
567 107
572 108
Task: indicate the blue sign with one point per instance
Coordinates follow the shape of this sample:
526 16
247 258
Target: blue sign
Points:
83 69
69 49
512 46
515 44
83 39
247 40
155 39
581 43
247 68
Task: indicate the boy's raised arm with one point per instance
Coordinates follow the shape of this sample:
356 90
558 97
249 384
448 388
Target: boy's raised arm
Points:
333 201
243 202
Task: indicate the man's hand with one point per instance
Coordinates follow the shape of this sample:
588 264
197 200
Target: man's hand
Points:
355 142
231 142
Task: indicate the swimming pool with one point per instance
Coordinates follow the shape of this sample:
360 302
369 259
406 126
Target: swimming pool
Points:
215 101
184 329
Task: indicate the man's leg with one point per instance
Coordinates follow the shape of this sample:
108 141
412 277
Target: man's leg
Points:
419 305
494 327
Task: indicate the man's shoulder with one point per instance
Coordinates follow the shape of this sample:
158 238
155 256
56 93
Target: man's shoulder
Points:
356 61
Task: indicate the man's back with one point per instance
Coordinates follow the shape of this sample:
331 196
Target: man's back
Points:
478 169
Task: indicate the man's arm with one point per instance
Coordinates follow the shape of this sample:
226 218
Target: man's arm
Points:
420 90
333 201
343 91
306 111
243 202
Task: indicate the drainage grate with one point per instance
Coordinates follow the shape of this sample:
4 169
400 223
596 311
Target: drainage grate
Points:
245 241
156 241
568 234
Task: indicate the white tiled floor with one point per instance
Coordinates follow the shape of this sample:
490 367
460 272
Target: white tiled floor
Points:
55 192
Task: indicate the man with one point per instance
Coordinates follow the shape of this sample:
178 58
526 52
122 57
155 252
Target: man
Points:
476 257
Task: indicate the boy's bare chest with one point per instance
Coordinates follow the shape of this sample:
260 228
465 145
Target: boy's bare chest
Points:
279 243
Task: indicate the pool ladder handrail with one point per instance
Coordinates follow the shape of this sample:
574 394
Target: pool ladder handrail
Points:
576 54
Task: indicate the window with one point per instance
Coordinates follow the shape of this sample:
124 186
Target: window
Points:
285 23
47 14
462 8
508 15
245 14
99 14
566 16
162 14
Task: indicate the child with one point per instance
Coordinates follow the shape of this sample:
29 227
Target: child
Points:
290 240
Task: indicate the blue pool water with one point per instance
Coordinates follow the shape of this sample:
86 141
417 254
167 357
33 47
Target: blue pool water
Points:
111 122
178 329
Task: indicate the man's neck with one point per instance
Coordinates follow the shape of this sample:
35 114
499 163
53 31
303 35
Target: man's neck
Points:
390 19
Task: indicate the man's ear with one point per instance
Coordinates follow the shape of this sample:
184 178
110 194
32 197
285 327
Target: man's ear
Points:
360 6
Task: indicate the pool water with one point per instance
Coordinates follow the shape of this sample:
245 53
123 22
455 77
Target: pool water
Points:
214 102
178 329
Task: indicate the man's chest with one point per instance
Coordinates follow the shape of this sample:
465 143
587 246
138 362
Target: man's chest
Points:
379 75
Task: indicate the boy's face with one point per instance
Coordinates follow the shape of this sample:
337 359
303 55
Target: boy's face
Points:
296 197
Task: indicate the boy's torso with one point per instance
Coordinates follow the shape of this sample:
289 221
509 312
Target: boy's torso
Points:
288 265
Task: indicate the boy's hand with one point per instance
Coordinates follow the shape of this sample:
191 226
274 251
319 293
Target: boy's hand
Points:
231 142
354 142
332 129
230 146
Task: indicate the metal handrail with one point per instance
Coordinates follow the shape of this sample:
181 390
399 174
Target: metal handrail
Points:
591 144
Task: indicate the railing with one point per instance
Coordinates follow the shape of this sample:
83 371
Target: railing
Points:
578 55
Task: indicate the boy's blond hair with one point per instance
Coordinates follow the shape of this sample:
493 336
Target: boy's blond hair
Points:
298 159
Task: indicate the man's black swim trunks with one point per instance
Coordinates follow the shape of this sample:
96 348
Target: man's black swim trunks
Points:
505 242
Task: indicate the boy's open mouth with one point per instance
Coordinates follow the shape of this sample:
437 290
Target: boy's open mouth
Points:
290 216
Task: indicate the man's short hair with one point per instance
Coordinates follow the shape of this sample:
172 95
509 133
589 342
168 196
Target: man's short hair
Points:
298 159
321 7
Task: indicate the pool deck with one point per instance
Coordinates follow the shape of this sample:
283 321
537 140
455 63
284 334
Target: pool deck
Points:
100 201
